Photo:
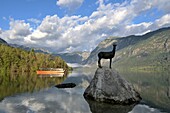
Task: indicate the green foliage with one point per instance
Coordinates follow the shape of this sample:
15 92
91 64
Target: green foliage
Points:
18 60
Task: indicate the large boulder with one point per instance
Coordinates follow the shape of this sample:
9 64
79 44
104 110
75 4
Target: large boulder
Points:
108 86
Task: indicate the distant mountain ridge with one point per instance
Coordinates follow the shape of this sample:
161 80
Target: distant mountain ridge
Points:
39 50
143 50
2 41
74 57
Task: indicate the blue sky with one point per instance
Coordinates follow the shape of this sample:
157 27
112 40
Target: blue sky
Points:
38 9
50 23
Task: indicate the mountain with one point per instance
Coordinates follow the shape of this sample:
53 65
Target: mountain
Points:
2 41
145 51
74 57
38 50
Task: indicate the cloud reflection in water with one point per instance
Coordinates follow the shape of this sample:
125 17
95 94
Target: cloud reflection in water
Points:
51 100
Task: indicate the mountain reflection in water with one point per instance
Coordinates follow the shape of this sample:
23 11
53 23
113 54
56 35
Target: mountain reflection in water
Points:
152 87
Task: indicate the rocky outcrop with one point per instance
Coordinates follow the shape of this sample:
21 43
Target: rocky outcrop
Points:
108 86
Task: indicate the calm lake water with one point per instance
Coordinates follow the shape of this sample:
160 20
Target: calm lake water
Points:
31 94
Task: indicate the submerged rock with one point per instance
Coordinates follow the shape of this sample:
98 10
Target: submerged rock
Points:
108 86
66 85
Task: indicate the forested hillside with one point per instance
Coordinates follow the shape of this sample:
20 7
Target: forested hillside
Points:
18 60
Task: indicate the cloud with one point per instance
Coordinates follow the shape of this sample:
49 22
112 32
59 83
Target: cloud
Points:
163 21
145 27
83 33
18 30
33 20
162 5
70 4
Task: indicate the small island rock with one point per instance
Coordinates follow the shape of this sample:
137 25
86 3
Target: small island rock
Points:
66 85
108 86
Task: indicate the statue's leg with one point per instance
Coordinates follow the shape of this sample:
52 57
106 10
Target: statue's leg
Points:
110 63
99 63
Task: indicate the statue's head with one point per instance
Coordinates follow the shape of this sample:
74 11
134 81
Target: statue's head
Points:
114 44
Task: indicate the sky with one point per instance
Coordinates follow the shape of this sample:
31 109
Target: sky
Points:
78 25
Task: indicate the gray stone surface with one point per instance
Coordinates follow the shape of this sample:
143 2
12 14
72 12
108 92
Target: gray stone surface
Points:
108 86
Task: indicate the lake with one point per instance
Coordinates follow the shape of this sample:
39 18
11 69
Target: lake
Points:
28 93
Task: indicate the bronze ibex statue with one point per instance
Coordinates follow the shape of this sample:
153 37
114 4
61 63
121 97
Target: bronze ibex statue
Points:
107 55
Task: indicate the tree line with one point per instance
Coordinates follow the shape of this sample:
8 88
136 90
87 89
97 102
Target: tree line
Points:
18 60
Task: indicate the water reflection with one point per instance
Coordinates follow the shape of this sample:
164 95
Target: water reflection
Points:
81 79
52 100
97 107
16 83
18 99
142 108
153 87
